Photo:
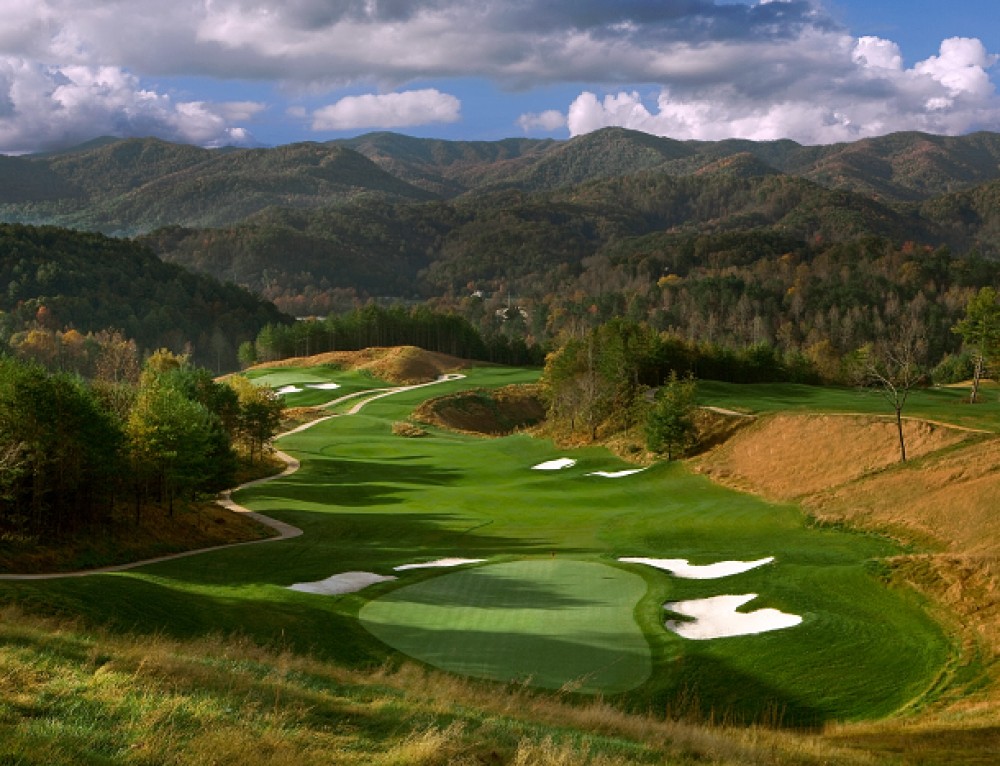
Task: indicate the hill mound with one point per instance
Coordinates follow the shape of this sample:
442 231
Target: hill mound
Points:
494 413
403 365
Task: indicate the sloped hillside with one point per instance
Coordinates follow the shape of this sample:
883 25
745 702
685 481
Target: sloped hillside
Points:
403 365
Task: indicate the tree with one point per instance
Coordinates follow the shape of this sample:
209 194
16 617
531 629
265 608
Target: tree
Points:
260 410
169 436
980 329
670 422
894 367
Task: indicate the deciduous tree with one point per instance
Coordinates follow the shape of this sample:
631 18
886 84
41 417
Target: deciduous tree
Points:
980 329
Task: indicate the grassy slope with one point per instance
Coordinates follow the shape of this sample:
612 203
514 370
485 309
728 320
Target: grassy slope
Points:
70 696
821 573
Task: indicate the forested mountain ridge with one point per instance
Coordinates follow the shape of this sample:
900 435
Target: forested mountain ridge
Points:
135 185
530 242
57 280
900 166
131 186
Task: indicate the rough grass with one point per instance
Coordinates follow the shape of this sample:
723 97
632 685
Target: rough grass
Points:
786 457
74 696
401 365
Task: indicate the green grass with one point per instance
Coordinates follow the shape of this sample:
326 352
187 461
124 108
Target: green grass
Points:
350 381
549 621
369 500
940 403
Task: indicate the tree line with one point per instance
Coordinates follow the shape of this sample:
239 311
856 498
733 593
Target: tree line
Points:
622 374
75 453
396 325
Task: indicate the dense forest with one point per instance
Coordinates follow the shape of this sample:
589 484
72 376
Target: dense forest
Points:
76 453
63 291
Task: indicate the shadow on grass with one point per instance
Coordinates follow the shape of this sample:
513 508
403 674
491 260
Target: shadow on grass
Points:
337 471
977 745
128 604
707 689
463 589
611 662
343 541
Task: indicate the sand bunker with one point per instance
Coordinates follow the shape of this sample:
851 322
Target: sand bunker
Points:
554 465
293 389
716 617
681 567
616 474
345 582
438 563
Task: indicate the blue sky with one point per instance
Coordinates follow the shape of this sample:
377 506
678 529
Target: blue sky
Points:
267 72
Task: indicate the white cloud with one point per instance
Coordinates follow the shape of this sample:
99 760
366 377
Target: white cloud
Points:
549 120
866 93
49 107
758 68
389 110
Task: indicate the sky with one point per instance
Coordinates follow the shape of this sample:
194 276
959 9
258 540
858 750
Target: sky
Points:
271 72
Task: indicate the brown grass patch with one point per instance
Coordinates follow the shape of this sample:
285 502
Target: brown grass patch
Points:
408 430
786 457
490 412
403 365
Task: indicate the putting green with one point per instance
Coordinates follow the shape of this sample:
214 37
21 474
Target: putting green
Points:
553 621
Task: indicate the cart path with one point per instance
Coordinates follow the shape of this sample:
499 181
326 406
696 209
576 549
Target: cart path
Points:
225 499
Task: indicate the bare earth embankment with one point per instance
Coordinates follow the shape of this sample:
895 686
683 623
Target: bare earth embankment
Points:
945 502
491 413
403 365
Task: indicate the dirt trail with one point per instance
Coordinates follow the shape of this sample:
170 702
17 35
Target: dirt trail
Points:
285 531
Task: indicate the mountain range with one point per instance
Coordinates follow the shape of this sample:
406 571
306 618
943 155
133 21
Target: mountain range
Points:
389 214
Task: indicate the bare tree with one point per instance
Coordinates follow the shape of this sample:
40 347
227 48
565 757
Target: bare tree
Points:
894 366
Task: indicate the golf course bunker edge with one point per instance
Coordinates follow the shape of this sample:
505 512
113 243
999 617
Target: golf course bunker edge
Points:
551 623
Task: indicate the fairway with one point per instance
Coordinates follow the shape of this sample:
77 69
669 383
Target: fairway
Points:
551 605
552 622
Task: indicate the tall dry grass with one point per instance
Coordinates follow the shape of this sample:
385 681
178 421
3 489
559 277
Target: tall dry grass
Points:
71 695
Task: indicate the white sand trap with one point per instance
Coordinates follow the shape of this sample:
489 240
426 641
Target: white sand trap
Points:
345 582
681 568
324 386
616 474
289 390
716 617
554 465
438 563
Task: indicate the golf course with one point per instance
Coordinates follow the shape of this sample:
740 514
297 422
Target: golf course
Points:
480 564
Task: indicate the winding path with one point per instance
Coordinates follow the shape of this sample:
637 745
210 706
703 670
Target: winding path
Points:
285 531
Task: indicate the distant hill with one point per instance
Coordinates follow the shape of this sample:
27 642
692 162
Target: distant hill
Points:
130 186
136 185
90 282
